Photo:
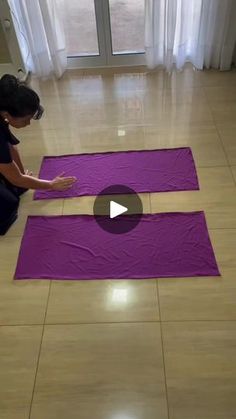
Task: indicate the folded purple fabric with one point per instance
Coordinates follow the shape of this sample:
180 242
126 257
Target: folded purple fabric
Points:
142 171
75 247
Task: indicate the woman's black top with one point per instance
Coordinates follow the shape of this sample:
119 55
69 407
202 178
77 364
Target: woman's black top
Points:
6 138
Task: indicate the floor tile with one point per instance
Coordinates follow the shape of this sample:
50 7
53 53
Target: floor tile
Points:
227 135
101 371
223 112
102 301
85 139
200 369
19 351
233 168
224 245
202 138
177 113
116 138
215 177
218 203
205 298
216 94
214 78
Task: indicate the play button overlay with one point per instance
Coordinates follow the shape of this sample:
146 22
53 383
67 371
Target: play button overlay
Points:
118 209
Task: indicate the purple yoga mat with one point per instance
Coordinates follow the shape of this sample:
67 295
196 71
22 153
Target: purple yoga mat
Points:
75 247
142 171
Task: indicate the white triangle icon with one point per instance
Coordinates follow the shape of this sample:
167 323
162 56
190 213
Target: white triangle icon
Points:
116 209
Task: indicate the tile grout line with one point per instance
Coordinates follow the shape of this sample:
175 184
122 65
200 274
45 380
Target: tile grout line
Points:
120 322
211 167
40 348
219 136
222 143
162 346
123 124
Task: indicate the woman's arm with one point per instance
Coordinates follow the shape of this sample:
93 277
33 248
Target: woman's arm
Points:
16 157
12 173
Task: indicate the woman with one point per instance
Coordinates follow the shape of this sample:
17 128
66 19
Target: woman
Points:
18 105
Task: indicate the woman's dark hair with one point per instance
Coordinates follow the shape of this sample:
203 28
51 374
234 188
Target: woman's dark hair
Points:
16 98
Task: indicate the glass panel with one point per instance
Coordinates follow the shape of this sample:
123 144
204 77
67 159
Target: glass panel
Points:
80 27
127 26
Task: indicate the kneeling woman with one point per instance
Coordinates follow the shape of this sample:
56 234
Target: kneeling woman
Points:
18 105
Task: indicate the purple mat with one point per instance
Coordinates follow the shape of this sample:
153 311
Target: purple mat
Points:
75 247
142 171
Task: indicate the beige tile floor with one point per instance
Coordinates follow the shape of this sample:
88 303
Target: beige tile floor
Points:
152 349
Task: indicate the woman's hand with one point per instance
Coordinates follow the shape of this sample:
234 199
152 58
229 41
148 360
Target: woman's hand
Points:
61 183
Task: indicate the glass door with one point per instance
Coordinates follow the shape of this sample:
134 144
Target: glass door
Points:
83 23
126 31
104 32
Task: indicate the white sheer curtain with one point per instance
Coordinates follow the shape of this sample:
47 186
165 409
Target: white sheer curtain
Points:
200 31
41 35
